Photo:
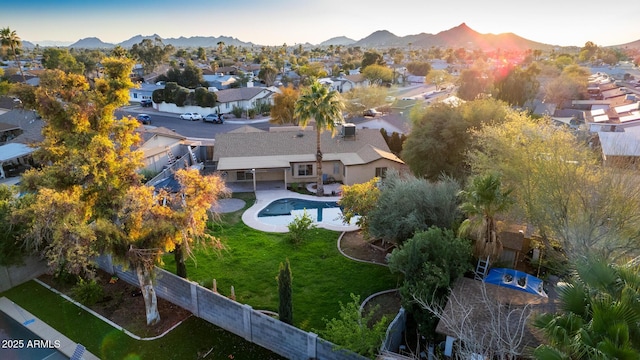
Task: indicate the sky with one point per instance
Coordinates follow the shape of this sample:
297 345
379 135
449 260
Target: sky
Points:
276 22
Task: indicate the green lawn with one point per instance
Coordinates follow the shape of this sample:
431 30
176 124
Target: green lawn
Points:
192 337
321 275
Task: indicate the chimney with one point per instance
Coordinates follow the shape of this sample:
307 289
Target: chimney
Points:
249 84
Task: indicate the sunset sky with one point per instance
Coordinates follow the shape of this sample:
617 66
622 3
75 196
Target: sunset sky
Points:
556 22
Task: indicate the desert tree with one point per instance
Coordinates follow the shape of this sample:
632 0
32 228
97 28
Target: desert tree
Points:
88 195
325 107
560 187
408 204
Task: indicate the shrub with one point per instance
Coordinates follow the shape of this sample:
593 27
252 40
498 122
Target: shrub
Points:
251 113
88 292
181 96
352 330
237 111
158 96
299 227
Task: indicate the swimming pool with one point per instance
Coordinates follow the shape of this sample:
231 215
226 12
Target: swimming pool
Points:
288 205
18 342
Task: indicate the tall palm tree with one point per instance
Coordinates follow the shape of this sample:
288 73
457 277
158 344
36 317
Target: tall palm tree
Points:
599 314
325 108
483 199
9 39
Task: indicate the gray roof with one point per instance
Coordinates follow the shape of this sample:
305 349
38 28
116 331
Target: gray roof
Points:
239 94
28 122
278 149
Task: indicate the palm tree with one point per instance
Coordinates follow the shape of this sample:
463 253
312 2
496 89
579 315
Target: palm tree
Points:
325 107
482 200
600 314
9 39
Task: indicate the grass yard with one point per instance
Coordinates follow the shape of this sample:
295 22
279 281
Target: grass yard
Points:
192 339
321 275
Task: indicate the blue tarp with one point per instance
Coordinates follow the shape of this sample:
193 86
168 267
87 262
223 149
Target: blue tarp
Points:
515 279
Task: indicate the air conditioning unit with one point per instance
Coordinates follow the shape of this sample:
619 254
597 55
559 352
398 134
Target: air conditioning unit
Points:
349 130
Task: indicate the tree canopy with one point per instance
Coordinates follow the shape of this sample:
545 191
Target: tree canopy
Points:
408 204
284 103
440 138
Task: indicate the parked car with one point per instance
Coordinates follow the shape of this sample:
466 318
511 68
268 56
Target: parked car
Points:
144 119
371 112
214 118
191 116
146 103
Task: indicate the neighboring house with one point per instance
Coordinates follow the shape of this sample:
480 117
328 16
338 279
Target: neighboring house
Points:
390 123
353 81
160 147
21 126
244 98
219 80
621 148
289 156
545 109
143 92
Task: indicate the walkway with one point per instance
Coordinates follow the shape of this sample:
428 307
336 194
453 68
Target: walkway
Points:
42 329
265 197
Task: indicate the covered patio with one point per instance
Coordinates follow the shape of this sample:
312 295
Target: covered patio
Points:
13 159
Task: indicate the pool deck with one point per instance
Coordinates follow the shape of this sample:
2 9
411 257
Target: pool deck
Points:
265 197
41 328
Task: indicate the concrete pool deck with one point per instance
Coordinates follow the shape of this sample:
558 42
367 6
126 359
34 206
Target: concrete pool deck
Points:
265 197
42 329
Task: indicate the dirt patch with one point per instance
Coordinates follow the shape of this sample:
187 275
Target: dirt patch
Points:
123 304
387 304
354 245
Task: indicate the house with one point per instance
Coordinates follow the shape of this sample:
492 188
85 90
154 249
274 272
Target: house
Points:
352 81
160 147
218 80
289 156
621 148
143 92
244 98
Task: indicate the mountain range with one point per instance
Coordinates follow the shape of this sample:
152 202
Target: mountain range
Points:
461 36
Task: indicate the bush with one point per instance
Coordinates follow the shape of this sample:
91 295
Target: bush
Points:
88 292
299 227
237 111
251 113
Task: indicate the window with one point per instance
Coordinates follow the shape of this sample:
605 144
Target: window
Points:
381 172
304 170
244 175
135 95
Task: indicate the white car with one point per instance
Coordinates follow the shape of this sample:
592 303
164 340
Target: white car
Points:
191 116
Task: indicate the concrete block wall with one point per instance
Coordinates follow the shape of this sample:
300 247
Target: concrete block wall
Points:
15 275
328 351
175 289
221 311
394 338
283 339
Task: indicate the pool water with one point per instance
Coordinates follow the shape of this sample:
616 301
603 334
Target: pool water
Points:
288 206
10 331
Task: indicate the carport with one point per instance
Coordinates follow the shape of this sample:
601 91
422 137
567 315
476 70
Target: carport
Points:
11 152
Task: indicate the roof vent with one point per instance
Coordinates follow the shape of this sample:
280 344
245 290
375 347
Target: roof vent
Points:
300 134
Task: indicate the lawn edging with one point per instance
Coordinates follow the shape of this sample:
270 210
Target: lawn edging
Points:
353 258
